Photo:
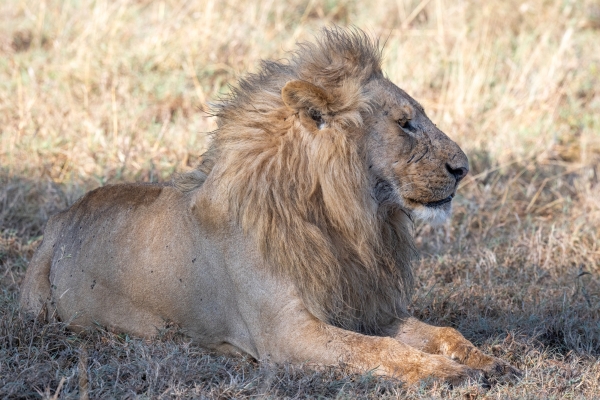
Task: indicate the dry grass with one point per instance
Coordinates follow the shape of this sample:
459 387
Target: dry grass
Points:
96 91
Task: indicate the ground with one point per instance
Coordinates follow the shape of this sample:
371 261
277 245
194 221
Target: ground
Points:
103 92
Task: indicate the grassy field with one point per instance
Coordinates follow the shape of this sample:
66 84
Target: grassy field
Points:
96 92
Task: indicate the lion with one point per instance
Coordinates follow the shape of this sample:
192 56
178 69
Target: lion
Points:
290 242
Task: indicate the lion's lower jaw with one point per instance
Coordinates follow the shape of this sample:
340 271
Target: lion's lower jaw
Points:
433 215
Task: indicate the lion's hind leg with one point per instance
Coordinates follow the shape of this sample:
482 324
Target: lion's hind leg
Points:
452 344
35 289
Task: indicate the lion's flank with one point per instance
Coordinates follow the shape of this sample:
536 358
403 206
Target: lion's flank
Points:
302 191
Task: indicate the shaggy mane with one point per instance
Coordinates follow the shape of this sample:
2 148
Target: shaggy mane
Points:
305 197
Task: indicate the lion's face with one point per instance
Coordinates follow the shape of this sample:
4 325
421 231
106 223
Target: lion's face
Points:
411 162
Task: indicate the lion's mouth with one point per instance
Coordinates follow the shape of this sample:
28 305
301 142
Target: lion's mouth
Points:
383 192
438 203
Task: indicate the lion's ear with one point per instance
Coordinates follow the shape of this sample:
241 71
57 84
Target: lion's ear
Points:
312 99
301 94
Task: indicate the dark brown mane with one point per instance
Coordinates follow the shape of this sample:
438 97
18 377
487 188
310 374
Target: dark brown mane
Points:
305 198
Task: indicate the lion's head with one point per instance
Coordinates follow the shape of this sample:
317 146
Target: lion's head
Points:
412 163
323 160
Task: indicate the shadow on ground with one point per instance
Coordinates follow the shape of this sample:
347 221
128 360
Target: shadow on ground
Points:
544 321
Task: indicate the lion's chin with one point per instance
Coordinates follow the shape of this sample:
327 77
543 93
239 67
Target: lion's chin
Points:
433 215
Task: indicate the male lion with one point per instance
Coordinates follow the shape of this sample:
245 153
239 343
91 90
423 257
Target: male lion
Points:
291 241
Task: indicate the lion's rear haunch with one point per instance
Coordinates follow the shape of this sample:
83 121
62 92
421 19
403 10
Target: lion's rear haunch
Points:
290 241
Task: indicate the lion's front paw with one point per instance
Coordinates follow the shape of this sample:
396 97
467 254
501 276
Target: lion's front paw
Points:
494 368
500 371
468 376
456 374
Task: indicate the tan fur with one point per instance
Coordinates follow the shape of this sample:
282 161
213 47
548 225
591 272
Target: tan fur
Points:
291 241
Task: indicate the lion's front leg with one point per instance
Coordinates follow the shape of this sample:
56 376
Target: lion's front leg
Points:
450 343
313 341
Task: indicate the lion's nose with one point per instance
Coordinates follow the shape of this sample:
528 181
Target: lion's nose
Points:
457 172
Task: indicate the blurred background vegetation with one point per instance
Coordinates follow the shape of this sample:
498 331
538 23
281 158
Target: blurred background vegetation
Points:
101 90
